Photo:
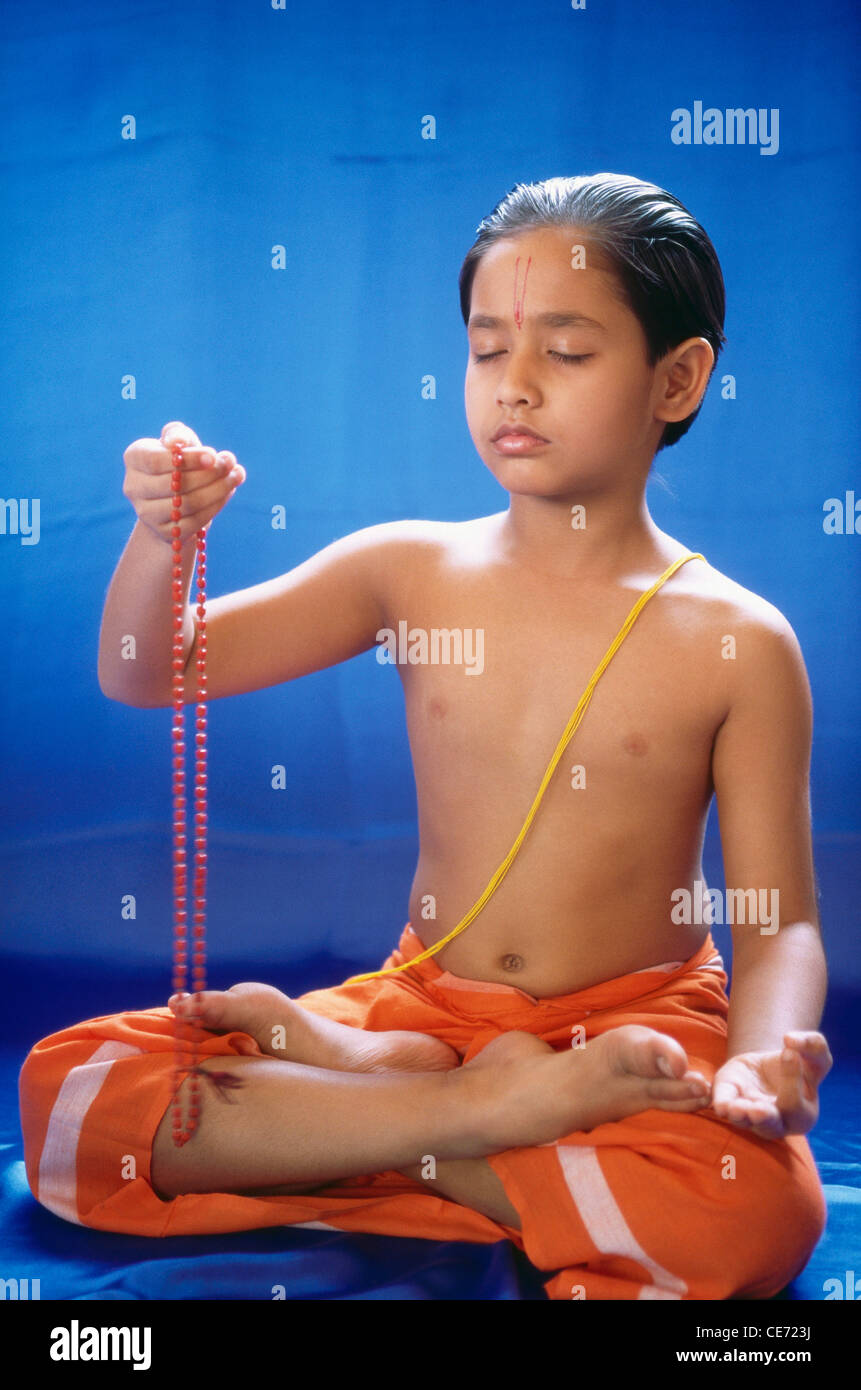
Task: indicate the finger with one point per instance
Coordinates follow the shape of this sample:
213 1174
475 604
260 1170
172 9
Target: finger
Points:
814 1049
797 1101
196 508
175 432
150 456
763 1120
770 1129
205 458
743 1112
201 456
798 1077
158 510
150 484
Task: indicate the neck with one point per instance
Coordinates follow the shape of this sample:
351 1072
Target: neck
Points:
612 533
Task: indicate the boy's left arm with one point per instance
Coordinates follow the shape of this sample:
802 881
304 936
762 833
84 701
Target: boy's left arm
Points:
776 1057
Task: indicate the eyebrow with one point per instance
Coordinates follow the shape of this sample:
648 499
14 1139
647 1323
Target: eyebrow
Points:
551 320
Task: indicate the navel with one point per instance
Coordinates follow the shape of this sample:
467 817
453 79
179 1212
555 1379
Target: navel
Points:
512 962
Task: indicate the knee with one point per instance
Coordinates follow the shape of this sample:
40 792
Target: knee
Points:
62 1118
790 1231
40 1083
769 1219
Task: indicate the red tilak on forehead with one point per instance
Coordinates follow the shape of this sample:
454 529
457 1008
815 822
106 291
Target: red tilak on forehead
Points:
518 303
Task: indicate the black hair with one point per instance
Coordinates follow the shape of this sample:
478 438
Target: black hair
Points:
665 267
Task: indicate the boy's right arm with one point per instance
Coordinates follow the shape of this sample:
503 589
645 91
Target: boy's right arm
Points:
324 611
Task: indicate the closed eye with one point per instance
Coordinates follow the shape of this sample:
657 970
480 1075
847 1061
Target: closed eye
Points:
560 356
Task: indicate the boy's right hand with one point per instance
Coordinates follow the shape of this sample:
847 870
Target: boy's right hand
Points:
209 480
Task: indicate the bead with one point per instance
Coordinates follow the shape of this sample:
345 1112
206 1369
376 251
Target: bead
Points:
183 1043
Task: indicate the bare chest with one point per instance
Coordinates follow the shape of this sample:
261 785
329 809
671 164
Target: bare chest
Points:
490 688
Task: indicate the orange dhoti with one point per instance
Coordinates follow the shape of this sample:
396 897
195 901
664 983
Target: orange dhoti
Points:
659 1205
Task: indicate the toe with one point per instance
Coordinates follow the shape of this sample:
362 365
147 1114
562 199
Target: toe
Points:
213 1006
661 1056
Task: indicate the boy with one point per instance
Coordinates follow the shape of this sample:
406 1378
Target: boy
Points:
563 1072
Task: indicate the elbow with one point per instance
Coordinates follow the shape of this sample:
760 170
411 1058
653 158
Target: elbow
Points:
126 697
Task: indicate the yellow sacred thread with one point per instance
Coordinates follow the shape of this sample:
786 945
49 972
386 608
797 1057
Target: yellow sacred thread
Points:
567 735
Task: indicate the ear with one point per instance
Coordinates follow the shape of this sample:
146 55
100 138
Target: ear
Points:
683 375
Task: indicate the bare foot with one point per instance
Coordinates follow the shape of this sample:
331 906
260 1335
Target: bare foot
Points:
282 1028
529 1094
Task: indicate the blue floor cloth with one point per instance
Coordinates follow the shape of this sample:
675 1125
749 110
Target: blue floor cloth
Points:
74 1263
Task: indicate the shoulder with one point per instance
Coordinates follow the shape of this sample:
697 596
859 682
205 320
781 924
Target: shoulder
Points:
429 536
717 601
754 641
418 547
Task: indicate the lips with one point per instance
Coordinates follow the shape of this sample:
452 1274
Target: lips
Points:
513 428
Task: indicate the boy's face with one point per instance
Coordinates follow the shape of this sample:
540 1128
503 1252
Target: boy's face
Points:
595 414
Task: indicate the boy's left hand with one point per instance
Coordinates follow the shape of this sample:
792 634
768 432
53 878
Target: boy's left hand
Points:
773 1094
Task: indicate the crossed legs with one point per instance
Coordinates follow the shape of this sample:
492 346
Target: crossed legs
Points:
327 1102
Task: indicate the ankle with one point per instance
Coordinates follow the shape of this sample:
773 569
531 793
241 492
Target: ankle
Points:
473 1108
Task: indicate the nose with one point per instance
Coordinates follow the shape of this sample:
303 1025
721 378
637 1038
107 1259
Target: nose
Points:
517 384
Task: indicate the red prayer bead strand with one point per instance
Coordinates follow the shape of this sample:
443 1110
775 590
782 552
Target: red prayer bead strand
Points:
187 1031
